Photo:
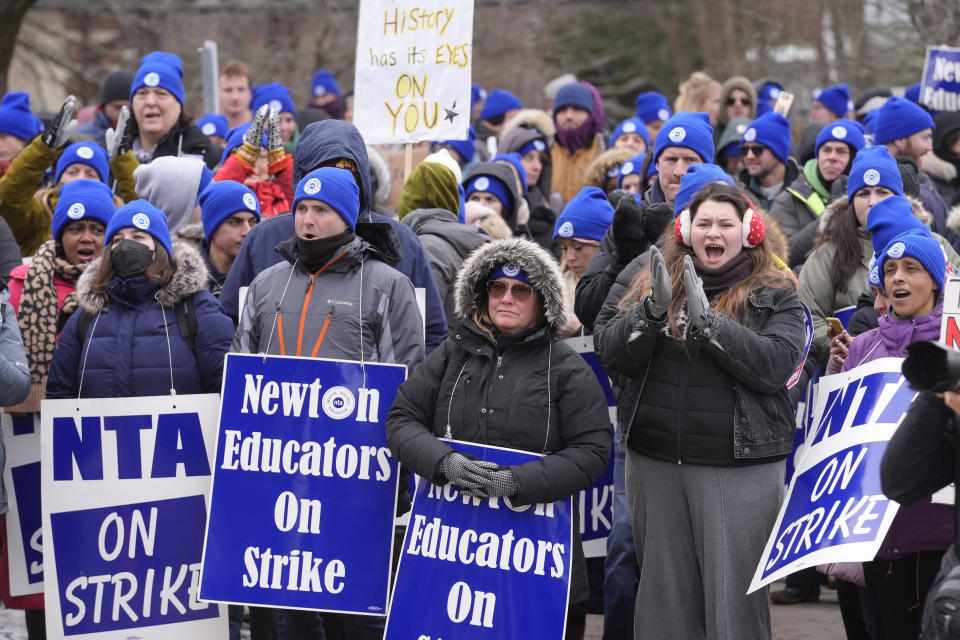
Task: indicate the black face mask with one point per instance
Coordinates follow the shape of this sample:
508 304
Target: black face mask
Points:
130 258
316 253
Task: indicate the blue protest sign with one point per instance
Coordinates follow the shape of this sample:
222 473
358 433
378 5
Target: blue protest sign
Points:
21 478
482 568
940 86
124 505
304 487
834 510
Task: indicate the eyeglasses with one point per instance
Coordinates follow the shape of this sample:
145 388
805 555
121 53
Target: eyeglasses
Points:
756 149
520 292
732 101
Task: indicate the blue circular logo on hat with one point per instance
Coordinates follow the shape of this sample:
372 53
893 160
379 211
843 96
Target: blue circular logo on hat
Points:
677 134
319 90
152 79
141 221
249 201
312 186
612 172
896 250
630 127
627 168
566 230
875 275
483 94
850 105
511 269
663 114
871 177
209 129
816 93
750 134
539 145
839 132
741 128
276 105
84 152
76 211
774 93
481 183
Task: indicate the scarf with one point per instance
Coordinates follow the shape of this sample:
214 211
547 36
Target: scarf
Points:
727 275
575 139
39 307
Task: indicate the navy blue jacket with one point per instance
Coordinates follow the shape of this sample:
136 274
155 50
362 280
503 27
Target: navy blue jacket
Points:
126 343
321 142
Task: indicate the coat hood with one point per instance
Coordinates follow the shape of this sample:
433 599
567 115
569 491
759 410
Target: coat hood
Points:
538 263
736 82
516 139
190 277
937 167
328 140
379 176
507 175
531 119
595 174
442 223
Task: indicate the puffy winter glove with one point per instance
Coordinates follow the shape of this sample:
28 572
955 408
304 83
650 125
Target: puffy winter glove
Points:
118 142
697 303
661 287
628 236
253 138
469 474
57 136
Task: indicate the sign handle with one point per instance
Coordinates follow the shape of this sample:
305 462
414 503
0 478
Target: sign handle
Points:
407 160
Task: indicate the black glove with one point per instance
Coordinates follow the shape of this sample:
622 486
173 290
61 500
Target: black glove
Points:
629 237
656 218
469 474
57 136
118 140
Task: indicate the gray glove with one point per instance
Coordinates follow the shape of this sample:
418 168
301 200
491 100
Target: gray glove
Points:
469 474
697 302
115 137
661 287
502 483
57 136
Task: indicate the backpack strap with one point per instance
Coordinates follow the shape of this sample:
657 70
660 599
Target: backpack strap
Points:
187 321
83 325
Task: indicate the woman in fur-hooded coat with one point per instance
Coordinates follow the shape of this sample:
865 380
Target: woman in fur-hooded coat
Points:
523 390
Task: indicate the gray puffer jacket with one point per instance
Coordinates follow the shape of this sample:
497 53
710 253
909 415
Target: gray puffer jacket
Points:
358 307
14 372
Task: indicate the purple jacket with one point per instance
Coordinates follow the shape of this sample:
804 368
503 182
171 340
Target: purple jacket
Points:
922 526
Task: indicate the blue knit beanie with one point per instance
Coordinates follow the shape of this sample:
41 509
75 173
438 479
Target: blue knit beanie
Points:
537 144
871 167
498 102
160 69
588 215
88 153
516 160
465 148
770 91
510 270
920 246
80 200
323 83
573 95
206 177
651 168
771 130
213 124
889 218
696 178
847 131
899 118
631 166
140 214
687 129
275 95
630 125
220 200
477 93
653 106
835 98
489 184
912 93
335 187
16 119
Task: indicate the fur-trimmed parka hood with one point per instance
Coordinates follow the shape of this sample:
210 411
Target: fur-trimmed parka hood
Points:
531 118
539 265
380 181
595 174
189 277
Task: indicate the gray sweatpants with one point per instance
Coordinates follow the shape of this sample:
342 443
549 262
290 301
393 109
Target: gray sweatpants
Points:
700 532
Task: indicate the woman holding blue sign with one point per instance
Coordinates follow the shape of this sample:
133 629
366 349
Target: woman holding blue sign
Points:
503 379
708 334
911 271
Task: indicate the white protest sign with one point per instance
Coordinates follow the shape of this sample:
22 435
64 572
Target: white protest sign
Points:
835 510
21 478
413 70
950 325
125 486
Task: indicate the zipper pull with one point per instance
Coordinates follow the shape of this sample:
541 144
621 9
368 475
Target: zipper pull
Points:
499 361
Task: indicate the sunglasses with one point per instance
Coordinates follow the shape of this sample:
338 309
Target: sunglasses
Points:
732 101
520 292
756 149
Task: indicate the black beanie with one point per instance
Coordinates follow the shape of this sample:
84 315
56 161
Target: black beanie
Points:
910 177
116 86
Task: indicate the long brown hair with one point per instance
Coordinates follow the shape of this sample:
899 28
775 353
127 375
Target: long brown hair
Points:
730 302
842 229
160 270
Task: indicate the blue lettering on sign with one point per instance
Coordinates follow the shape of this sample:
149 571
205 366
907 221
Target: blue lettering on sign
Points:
129 566
26 486
178 440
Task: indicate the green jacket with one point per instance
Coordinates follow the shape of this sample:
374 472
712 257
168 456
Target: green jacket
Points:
29 211
798 208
